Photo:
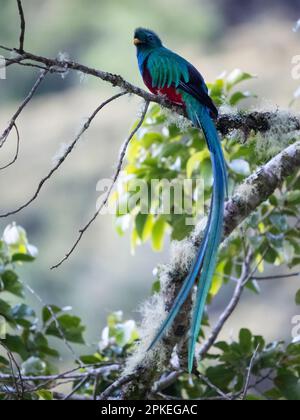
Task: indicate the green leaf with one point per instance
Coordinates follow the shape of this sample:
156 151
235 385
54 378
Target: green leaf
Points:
181 229
293 197
237 76
3 327
16 345
45 395
158 233
5 309
22 258
156 287
245 338
279 221
71 327
217 281
46 313
194 162
288 384
22 311
140 223
11 283
42 346
4 362
92 359
22 314
239 96
33 366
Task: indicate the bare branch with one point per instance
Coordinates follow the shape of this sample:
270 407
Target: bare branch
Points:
64 157
247 122
106 198
51 382
278 277
15 158
8 129
123 380
22 24
248 378
19 61
77 387
13 362
214 387
166 381
69 375
60 396
2 47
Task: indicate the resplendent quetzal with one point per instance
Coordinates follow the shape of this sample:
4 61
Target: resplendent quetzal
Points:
166 73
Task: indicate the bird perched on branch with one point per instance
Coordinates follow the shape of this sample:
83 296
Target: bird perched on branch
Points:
166 73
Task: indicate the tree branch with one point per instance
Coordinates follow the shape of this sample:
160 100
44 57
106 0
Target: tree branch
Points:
253 121
248 378
15 158
115 386
22 25
65 155
12 122
279 277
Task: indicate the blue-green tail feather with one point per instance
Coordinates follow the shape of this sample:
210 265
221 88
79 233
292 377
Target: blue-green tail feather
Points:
215 231
206 258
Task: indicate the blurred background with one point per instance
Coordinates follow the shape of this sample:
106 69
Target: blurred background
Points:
217 36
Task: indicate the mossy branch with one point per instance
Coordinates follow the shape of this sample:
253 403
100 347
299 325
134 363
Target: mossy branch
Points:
249 196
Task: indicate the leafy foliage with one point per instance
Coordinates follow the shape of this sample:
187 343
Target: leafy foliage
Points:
21 331
165 150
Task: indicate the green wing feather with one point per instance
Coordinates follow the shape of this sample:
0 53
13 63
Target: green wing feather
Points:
167 68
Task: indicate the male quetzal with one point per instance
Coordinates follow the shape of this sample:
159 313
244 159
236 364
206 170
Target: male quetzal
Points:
166 73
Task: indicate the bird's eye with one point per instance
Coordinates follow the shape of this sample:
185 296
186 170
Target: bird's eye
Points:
150 37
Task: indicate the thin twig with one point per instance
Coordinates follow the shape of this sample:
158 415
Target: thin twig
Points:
16 385
15 158
60 396
12 361
96 382
214 387
9 62
114 386
6 132
22 24
64 157
166 381
69 375
19 61
109 191
77 387
2 47
248 378
278 277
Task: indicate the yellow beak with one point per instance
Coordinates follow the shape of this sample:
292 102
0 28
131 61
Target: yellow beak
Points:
137 41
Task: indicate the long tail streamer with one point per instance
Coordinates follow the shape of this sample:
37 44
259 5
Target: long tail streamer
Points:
206 259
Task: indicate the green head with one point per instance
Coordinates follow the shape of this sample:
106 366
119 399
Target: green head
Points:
146 39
